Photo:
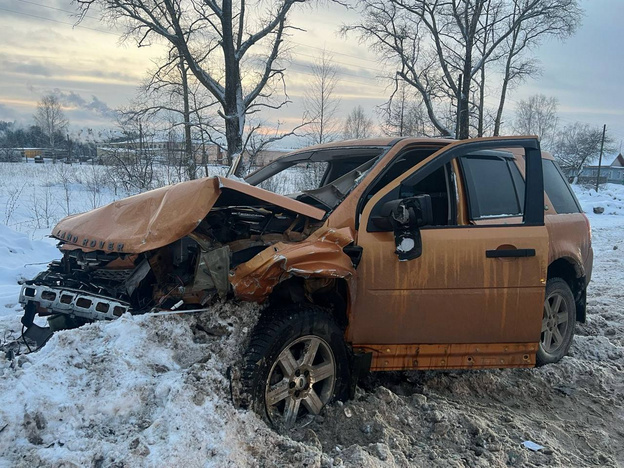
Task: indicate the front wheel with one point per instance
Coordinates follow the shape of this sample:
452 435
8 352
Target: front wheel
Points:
558 322
296 363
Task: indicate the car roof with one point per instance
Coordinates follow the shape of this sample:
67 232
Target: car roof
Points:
382 141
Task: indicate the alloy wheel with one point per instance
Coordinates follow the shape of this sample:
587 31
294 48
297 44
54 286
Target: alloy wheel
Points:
301 380
554 322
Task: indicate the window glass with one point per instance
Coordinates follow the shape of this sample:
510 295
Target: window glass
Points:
436 186
302 176
518 183
558 189
491 188
403 163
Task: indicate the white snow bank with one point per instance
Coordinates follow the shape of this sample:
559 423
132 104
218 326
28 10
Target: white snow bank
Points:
609 196
20 258
138 391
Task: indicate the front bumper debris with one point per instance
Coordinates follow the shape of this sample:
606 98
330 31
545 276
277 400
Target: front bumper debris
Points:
72 302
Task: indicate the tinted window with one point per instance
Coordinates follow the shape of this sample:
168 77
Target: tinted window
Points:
492 187
558 189
403 163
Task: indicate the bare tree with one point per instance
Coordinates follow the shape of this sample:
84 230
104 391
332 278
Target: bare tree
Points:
440 47
171 93
222 42
403 114
525 37
130 158
537 115
50 118
321 103
358 125
577 144
65 177
260 137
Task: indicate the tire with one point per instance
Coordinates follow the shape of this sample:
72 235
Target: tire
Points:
558 322
296 363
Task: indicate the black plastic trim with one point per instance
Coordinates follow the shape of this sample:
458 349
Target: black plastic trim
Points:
510 253
534 190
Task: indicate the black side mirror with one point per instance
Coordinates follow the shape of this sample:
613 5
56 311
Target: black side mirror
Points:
405 216
415 211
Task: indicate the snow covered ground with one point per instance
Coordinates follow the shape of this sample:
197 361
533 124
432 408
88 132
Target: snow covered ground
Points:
153 391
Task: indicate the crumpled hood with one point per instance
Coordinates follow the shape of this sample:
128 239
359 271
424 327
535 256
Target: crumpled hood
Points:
159 217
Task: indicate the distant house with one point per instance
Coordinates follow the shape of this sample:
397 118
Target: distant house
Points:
613 174
167 151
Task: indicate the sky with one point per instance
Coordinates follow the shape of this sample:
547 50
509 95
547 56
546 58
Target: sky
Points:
94 71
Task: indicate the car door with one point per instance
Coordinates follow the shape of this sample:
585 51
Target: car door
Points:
474 296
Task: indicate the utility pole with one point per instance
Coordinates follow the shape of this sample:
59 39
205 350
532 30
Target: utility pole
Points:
604 130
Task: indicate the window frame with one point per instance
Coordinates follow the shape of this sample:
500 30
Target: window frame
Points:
533 214
567 186
470 187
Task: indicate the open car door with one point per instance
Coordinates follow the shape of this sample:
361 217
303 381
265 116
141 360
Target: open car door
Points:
473 295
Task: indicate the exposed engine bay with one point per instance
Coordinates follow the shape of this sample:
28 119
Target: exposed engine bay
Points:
189 273
180 247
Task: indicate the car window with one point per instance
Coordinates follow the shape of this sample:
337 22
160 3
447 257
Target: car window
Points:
436 185
439 185
306 175
401 164
495 187
558 189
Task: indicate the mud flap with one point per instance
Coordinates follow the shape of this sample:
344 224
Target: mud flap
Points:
40 335
360 366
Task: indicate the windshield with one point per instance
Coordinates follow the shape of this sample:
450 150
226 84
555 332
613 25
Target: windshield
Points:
321 178
304 175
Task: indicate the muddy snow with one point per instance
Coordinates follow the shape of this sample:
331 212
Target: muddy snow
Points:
154 391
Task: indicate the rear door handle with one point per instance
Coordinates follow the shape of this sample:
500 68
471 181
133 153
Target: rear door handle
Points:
505 253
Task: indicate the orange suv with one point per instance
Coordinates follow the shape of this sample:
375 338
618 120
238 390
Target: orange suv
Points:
384 254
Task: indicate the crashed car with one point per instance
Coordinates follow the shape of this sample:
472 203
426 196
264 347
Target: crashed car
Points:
385 254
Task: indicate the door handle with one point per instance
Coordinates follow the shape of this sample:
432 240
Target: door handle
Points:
506 253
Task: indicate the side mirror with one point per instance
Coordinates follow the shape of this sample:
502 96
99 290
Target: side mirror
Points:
405 216
414 211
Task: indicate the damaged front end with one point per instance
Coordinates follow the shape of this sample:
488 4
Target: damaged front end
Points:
179 248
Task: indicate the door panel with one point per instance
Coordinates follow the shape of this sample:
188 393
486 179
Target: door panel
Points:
454 293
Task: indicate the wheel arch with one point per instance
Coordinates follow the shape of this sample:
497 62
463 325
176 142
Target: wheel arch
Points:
573 274
330 293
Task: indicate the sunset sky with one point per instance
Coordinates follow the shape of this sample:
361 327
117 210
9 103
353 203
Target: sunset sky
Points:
41 51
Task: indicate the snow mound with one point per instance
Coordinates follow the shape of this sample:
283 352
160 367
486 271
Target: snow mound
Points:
139 391
609 196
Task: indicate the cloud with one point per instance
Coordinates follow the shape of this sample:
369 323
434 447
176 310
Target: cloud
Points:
74 99
6 113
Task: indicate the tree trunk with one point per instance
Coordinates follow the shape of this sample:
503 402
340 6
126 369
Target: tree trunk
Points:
464 114
506 77
481 102
233 106
190 163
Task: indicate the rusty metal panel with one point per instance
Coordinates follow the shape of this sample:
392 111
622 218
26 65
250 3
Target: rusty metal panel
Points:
319 256
159 217
452 293
390 357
